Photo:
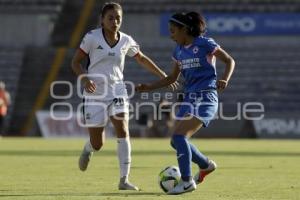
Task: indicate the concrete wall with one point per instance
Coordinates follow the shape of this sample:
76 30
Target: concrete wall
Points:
18 30
145 29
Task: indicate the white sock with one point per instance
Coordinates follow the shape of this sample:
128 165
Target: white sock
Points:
88 147
124 154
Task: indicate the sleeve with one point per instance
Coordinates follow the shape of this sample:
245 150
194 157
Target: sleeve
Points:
211 45
133 47
86 43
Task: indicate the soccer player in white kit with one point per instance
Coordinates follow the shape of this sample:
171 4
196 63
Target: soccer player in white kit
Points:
105 93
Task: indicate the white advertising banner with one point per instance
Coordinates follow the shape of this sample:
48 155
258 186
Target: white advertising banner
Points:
277 127
68 127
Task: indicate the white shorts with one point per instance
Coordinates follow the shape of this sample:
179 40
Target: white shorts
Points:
96 112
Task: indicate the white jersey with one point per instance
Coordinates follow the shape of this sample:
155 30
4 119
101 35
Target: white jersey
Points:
107 63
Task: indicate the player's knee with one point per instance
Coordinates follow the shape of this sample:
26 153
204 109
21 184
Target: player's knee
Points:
123 134
97 146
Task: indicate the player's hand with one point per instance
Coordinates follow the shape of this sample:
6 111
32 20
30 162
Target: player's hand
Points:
221 85
89 86
142 88
174 86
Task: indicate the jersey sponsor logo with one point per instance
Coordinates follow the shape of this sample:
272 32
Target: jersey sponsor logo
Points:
111 54
190 63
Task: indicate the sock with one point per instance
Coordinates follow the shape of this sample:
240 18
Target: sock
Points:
124 155
88 147
197 157
184 156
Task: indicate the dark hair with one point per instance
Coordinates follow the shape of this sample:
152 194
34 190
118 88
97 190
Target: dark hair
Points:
193 21
109 6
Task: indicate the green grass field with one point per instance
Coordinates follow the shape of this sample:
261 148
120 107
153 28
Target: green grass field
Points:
47 169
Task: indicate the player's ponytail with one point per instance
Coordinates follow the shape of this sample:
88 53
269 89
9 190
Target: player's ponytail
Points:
193 21
197 25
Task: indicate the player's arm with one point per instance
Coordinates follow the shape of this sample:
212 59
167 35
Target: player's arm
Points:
172 78
147 63
222 55
78 70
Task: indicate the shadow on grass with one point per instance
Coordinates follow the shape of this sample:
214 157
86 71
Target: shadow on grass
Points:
107 194
142 153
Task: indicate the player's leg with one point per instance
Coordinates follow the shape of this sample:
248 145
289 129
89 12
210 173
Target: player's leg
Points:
94 143
197 157
205 165
120 123
203 172
184 129
95 117
205 111
97 138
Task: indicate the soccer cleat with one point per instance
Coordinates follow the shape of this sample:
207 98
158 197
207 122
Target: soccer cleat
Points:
183 187
84 160
126 185
199 177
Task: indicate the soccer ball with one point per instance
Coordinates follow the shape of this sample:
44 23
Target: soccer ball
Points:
168 178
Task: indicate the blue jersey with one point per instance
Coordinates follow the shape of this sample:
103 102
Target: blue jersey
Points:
197 64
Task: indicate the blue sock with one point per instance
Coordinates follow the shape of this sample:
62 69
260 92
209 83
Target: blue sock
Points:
184 156
197 157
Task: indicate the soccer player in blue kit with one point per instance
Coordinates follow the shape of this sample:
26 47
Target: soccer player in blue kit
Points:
194 57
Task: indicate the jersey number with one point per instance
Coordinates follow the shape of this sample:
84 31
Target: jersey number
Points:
118 101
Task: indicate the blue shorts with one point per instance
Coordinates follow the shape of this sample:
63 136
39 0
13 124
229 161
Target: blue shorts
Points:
202 105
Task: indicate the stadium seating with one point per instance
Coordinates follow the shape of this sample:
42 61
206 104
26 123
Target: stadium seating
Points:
18 66
150 6
267 71
34 72
36 6
28 22
10 68
66 22
267 68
